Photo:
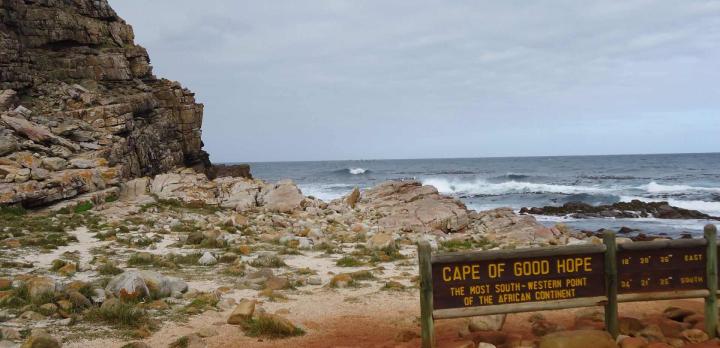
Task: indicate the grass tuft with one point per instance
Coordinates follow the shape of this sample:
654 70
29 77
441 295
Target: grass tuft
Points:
122 315
83 207
267 326
349 261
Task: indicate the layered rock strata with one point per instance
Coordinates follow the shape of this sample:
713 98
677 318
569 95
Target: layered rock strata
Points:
81 109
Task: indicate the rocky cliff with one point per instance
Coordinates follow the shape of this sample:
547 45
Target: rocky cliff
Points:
80 108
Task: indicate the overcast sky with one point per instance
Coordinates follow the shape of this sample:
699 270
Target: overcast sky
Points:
351 79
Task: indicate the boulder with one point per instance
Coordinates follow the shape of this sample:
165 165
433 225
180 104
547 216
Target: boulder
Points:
695 335
40 286
487 323
207 259
238 193
410 206
41 339
134 188
381 241
242 313
283 197
353 198
128 285
578 339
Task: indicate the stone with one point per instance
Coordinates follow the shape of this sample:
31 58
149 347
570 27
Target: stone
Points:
40 286
69 269
41 339
277 283
28 129
207 332
78 300
9 333
8 99
207 259
630 326
31 316
242 313
540 326
695 335
411 206
8 144
633 342
54 163
381 241
195 238
652 333
128 285
677 314
578 339
137 344
134 188
85 163
487 345
353 198
283 197
487 323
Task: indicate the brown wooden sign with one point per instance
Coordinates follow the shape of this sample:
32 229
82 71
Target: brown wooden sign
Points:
665 269
502 281
476 283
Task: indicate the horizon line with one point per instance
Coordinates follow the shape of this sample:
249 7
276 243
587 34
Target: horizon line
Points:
462 158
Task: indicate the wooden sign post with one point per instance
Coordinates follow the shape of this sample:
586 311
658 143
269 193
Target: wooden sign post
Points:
476 283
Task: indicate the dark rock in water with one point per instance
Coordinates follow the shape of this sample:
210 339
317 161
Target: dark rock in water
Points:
626 230
229 170
633 209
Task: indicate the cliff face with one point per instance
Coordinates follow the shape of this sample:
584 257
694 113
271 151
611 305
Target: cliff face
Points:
81 109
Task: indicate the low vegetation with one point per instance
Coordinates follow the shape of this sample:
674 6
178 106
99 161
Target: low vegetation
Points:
269 327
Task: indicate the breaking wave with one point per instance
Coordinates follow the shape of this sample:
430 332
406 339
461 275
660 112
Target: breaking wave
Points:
353 171
654 187
481 187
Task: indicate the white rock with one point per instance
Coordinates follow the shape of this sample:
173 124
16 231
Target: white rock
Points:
487 323
207 259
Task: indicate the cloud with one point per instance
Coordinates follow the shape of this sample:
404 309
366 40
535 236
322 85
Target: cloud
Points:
288 80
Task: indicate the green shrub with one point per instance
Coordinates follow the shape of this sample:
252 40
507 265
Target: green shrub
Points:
83 207
109 269
349 261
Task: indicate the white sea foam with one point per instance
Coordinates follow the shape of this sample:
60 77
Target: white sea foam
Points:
481 187
711 208
654 187
326 192
357 171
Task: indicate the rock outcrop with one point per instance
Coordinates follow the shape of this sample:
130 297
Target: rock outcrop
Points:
628 210
410 206
81 109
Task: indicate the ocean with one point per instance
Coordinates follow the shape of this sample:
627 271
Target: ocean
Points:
690 181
